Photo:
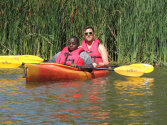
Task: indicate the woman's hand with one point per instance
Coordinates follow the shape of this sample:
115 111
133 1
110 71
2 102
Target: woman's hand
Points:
101 64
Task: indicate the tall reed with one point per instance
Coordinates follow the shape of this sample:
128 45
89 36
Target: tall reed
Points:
132 31
142 32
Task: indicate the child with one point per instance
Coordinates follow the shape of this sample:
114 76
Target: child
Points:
72 54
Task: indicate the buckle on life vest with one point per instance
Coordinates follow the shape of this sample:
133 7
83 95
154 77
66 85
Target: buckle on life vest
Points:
72 60
67 54
95 57
89 51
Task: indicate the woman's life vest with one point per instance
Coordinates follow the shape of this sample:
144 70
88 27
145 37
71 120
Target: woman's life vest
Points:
93 51
68 58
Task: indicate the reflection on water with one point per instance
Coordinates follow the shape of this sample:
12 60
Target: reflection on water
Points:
11 83
103 101
132 85
74 101
134 99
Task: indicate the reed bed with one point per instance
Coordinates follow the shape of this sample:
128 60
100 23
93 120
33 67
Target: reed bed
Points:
132 31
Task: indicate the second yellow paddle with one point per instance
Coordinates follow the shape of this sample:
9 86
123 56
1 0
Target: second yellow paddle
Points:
14 61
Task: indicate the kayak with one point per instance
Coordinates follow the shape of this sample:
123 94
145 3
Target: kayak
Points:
49 72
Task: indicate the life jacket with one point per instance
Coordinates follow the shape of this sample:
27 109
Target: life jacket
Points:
93 51
68 58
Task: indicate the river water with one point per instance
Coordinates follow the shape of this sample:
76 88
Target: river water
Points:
113 100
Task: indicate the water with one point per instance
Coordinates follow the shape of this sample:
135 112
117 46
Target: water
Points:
114 99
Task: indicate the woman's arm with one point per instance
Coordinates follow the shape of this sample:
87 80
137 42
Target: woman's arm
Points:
104 54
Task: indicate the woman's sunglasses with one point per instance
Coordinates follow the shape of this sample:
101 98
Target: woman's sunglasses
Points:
90 33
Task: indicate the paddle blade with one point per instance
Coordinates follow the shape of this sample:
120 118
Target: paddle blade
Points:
9 62
146 68
14 61
30 59
129 71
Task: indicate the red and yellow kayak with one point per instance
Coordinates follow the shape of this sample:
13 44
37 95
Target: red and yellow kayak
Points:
47 72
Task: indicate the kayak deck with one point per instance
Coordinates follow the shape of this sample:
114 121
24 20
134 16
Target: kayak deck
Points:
47 72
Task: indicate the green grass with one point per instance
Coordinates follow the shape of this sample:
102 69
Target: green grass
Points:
132 31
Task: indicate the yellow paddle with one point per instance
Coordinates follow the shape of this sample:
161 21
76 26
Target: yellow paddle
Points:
147 68
134 70
14 61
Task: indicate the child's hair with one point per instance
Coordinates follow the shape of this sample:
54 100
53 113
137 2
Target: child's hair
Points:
75 38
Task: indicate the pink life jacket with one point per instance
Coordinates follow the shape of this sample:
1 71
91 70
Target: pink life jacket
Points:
68 58
93 51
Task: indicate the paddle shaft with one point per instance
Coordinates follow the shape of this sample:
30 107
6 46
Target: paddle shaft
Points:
109 69
98 68
109 65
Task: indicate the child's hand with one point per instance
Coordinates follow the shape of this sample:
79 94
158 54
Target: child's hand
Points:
74 65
